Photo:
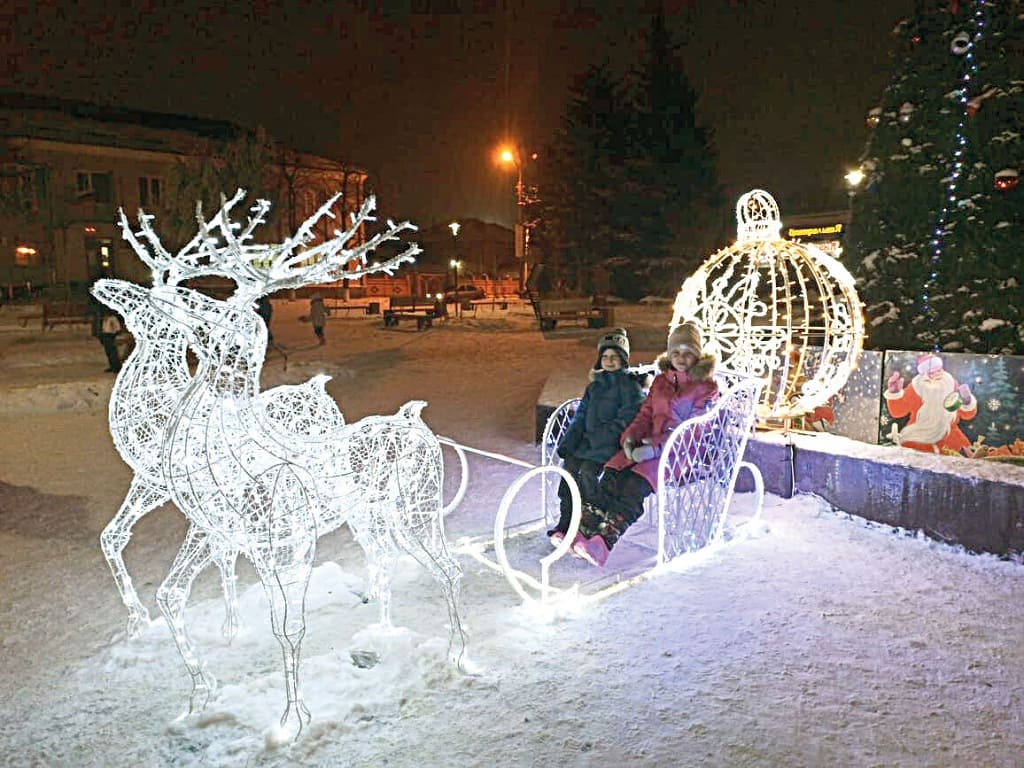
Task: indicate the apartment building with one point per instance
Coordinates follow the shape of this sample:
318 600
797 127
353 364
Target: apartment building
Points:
66 167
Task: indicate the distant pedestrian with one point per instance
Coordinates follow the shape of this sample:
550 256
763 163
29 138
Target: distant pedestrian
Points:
266 311
109 328
318 316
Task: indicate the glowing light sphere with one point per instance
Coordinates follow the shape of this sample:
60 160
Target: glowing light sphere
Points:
776 309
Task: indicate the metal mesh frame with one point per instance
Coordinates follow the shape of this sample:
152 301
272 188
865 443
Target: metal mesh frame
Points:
698 468
265 474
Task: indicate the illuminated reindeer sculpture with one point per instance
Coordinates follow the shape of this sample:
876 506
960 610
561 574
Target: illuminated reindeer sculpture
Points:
251 482
145 394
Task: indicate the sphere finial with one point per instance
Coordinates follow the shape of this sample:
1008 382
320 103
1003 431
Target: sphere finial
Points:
757 217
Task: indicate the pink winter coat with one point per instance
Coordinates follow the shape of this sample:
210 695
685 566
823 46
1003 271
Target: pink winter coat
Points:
674 397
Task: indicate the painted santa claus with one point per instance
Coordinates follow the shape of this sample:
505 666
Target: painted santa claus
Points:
935 403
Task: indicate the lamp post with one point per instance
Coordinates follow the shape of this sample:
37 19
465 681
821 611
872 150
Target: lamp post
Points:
853 177
454 263
512 156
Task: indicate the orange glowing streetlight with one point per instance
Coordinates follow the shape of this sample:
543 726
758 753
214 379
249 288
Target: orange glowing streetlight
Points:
508 156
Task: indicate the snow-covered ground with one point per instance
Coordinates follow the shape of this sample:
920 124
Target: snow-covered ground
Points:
811 640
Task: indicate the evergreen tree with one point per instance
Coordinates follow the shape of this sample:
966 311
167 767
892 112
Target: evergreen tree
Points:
629 185
672 158
936 235
582 180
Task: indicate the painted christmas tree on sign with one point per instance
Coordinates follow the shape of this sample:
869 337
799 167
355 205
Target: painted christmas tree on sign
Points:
937 221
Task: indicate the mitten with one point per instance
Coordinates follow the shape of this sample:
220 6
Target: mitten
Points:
644 453
627 448
895 382
965 393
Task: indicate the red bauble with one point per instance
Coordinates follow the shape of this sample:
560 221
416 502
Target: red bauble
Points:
1006 179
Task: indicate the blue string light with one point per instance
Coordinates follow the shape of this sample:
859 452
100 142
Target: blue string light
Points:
960 143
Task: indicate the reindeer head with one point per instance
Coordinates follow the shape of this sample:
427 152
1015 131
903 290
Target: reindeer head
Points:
223 247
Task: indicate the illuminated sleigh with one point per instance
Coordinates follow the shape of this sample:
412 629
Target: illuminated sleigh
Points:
699 467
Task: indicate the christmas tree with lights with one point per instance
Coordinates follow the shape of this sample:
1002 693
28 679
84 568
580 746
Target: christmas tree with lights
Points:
937 232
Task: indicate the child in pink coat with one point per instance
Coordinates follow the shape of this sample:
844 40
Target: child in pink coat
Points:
685 387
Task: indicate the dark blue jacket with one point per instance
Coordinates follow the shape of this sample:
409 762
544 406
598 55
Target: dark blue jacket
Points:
609 404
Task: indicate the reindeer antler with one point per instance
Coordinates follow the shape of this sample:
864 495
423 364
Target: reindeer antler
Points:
289 267
222 247
197 258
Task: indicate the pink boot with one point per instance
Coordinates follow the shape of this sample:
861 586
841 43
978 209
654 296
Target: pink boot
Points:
577 542
594 550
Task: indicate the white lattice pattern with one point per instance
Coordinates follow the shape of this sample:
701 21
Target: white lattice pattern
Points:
264 474
776 309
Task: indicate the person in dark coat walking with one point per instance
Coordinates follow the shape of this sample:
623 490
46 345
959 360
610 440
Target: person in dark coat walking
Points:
265 310
609 403
318 316
109 328
684 388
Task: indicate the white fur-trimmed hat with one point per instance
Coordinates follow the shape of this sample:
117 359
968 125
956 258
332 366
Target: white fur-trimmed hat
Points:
617 339
685 336
928 363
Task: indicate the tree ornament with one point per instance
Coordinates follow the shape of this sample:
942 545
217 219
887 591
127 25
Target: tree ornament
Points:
906 112
777 309
974 104
1007 179
874 116
961 43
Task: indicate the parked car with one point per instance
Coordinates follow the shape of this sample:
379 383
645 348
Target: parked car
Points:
463 293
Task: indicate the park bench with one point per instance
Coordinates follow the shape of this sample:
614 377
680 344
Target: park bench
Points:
51 314
589 311
418 308
698 469
65 314
337 305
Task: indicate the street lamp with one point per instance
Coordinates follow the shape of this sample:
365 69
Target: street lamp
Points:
455 264
511 156
853 177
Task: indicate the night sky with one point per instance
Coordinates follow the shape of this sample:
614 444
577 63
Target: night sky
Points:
419 92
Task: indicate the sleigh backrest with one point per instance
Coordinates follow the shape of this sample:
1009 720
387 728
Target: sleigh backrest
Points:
699 466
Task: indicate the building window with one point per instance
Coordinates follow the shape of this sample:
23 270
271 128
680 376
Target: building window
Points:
20 188
98 186
149 190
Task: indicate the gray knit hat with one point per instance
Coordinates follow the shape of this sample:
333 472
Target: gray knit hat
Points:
616 339
685 336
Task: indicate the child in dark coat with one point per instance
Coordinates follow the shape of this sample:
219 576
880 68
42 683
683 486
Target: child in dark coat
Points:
684 388
609 403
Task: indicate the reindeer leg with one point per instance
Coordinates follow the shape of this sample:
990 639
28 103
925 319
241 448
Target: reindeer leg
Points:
228 583
142 498
172 596
381 555
432 553
283 556
419 531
